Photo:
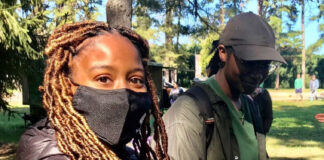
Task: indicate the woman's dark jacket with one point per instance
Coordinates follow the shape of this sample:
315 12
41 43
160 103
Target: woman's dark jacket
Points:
39 143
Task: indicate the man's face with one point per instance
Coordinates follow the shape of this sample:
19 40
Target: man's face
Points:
245 76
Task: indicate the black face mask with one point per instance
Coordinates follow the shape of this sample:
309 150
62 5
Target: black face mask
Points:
114 115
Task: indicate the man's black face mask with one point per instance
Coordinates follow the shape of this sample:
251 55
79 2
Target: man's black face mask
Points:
114 115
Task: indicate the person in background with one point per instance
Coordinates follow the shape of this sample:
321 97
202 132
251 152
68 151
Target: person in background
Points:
175 92
299 87
98 95
313 86
262 103
244 52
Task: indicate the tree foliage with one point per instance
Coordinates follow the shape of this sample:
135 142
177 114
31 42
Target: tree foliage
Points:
176 30
24 28
15 49
150 20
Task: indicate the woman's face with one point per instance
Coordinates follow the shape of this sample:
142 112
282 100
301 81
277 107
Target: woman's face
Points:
109 61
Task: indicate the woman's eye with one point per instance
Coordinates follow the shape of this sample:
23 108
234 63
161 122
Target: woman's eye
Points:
138 82
103 79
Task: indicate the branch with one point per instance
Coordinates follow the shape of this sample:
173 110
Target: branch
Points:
196 13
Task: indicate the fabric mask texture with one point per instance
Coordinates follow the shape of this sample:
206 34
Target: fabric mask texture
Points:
114 115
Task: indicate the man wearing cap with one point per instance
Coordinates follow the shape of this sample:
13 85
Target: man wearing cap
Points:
245 50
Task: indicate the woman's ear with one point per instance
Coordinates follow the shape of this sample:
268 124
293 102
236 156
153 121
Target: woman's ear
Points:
222 53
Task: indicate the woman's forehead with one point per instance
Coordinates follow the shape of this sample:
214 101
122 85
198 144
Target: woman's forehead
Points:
92 40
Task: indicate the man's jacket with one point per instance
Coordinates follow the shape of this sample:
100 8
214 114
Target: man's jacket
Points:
187 132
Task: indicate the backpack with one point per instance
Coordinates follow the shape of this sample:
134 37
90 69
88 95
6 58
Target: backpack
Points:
205 109
200 96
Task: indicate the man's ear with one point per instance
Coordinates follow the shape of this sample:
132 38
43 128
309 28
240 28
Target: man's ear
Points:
222 53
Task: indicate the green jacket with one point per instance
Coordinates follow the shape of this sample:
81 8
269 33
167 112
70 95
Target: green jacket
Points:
186 132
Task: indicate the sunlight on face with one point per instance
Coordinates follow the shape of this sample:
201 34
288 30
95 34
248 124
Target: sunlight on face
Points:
109 61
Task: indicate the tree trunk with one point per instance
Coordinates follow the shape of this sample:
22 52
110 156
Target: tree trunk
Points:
168 28
260 7
278 77
235 7
119 13
87 12
168 25
222 14
179 25
303 50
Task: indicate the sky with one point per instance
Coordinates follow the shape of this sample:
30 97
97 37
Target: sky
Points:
311 27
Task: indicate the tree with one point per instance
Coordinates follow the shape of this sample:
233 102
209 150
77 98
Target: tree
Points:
119 12
260 6
320 70
15 49
169 32
303 38
316 46
69 11
212 30
273 12
24 29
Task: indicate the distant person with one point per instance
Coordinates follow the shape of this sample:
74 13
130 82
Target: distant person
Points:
313 86
213 120
175 92
299 87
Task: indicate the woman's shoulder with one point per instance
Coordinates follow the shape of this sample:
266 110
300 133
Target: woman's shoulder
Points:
39 142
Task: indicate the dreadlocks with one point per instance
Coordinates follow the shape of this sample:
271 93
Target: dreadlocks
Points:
73 134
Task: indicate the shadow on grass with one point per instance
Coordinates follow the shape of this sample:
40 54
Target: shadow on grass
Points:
11 130
293 125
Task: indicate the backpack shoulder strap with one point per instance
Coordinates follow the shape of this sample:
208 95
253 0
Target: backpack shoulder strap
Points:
205 98
255 115
205 109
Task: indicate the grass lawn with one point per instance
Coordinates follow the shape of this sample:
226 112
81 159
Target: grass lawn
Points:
11 129
10 132
295 133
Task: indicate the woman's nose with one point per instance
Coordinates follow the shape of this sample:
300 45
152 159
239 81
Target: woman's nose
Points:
121 84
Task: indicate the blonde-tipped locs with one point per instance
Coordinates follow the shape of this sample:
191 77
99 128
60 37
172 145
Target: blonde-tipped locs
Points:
73 134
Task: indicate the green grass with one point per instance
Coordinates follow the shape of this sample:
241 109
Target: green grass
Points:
11 129
295 133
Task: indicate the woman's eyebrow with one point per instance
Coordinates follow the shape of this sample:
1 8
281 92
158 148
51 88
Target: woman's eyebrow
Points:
135 70
107 67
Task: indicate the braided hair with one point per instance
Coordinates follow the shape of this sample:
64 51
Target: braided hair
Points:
74 136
